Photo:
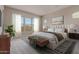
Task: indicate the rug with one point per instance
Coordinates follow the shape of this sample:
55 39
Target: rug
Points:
65 48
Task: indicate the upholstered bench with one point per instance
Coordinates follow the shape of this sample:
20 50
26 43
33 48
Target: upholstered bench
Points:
42 42
39 41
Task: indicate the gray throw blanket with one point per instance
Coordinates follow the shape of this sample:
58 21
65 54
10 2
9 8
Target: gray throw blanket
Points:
58 35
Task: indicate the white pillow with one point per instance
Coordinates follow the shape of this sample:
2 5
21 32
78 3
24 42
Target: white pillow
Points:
59 30
51 30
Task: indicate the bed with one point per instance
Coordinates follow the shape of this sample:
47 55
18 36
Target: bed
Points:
55 38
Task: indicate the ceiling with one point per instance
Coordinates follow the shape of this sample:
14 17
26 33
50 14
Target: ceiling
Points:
39 9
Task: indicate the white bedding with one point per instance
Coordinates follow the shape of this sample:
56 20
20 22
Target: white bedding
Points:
53 41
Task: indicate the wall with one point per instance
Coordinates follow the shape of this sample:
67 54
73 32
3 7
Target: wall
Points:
1 28
66 12
1 7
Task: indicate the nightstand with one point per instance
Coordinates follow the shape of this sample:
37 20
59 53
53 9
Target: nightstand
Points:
73 35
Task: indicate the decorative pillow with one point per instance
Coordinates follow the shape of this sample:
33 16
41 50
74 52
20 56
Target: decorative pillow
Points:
66 31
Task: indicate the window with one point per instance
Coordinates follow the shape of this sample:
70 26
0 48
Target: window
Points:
27 24
36 24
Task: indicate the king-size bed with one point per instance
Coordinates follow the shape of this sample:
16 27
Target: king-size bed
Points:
54 38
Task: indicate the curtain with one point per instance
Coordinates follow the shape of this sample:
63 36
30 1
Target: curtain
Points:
16 18
36 24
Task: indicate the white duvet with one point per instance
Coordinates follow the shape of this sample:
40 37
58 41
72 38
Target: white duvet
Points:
53 41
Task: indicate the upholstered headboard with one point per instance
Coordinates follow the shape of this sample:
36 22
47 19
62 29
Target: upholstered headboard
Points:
56 28
59 28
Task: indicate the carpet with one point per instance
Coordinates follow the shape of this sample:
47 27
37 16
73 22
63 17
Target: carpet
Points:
65 48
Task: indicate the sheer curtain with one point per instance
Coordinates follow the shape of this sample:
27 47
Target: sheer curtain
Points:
16 18
36 24
17 23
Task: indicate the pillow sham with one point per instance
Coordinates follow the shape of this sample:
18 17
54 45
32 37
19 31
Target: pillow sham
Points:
59 30
51 30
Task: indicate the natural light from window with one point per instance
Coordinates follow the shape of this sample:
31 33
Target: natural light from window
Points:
26 24
36 24
17 22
